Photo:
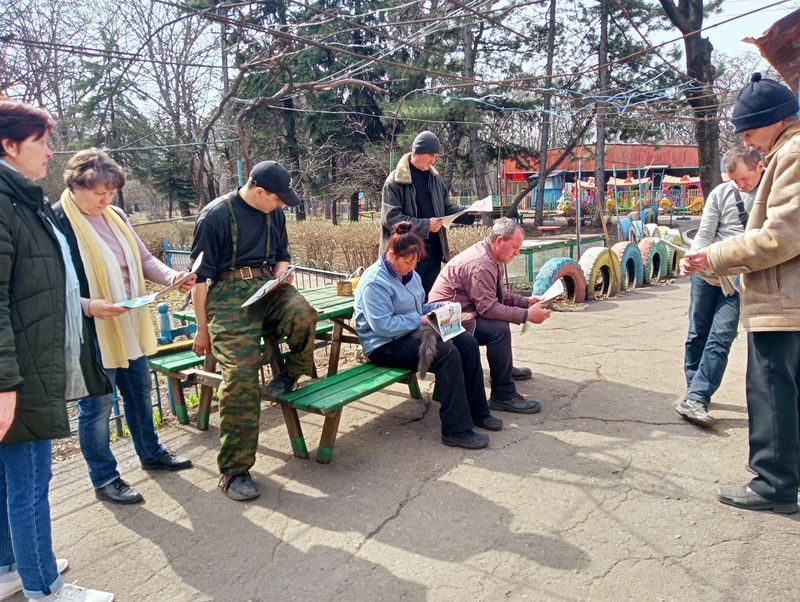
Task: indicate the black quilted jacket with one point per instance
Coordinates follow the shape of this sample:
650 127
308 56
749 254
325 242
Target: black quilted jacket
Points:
32 314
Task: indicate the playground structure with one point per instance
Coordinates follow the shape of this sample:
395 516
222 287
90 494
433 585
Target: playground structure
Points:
628 194
681 195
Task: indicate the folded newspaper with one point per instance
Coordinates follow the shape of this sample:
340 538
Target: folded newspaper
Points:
556 290
269 286
446 320
147 299
483 206
728 284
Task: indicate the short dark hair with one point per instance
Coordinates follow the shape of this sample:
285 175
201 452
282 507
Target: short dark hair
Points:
404 241
90 167
749 156
20 121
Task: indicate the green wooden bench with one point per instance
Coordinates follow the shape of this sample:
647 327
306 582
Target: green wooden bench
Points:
182 369
328 396
172 366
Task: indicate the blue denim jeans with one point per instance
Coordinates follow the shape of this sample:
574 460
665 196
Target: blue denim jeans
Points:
94 412
25 534
713 320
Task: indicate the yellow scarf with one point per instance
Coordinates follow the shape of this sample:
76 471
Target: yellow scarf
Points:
112 332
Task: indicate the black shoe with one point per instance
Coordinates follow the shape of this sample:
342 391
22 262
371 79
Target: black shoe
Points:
695 412
517 404
744 497
467 440
167 461
118 492
239 487
283 383
521 373
490 423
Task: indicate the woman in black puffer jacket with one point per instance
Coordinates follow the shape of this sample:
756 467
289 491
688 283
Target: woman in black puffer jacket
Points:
45 357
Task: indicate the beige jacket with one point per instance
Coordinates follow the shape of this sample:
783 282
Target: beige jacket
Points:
768 253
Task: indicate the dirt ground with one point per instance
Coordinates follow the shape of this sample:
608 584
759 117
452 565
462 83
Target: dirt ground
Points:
607 494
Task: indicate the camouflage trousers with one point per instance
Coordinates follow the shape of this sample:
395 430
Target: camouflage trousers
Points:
235 341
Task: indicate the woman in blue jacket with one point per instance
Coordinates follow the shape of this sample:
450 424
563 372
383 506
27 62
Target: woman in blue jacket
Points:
389 307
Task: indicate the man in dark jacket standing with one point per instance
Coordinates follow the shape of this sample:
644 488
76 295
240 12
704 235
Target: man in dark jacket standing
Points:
416 193
768 257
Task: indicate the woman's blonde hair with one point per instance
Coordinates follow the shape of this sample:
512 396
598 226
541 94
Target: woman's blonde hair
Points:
90 167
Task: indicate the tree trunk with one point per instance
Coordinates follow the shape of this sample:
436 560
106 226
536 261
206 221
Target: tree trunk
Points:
478 165
293 150
687 16
544 143
600 122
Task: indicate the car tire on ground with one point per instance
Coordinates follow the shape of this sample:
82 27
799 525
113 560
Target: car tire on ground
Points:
602 271
654 259
630 259
566 269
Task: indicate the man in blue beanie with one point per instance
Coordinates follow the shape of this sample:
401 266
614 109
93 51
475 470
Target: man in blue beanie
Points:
416 193
768 257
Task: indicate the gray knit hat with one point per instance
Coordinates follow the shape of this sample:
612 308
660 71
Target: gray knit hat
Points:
426 143
762 102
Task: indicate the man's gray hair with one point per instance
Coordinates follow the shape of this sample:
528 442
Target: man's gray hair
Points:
749 156
505 228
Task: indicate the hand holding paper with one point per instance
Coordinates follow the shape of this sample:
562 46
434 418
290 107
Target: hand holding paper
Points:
482 206
187 280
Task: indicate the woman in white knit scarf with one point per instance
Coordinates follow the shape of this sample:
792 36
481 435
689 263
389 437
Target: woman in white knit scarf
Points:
112 264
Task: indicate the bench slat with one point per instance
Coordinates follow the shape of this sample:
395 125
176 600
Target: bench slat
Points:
176 362
330 394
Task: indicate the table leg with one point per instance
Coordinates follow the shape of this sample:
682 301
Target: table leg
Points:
336 347
206 394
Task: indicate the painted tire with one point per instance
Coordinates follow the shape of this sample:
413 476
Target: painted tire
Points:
654 259
630 258
673 235
566 269
651 230
601 270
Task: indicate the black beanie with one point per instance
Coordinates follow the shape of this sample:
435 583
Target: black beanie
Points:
426 143
762 102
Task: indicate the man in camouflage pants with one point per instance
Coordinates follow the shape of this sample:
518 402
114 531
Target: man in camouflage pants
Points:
244 244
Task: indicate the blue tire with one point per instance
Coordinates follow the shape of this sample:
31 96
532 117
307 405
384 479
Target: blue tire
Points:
561 268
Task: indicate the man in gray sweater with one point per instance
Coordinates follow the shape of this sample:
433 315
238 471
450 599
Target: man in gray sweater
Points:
713 316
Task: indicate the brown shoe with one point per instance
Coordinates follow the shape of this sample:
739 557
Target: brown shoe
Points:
695 412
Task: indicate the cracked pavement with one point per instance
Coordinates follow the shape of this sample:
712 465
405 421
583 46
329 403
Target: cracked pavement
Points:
607 494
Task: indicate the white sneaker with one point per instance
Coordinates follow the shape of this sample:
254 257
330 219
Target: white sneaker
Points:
10 583
74 593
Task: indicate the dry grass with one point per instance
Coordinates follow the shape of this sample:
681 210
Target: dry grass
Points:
341 248
178 233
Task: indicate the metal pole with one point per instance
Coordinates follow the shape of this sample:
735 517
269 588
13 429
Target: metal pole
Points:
578 211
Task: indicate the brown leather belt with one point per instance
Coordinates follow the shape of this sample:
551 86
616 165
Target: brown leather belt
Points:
242 274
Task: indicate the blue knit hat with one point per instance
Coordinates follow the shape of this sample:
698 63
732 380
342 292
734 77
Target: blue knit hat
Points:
762 102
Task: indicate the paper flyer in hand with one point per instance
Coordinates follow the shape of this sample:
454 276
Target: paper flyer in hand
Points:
446 320
484 206
269 286
556 290
147 299
728 284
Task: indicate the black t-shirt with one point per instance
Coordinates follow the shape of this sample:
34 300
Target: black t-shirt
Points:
212 236
421 181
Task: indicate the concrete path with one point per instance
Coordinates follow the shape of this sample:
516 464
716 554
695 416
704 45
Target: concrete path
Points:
606 495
